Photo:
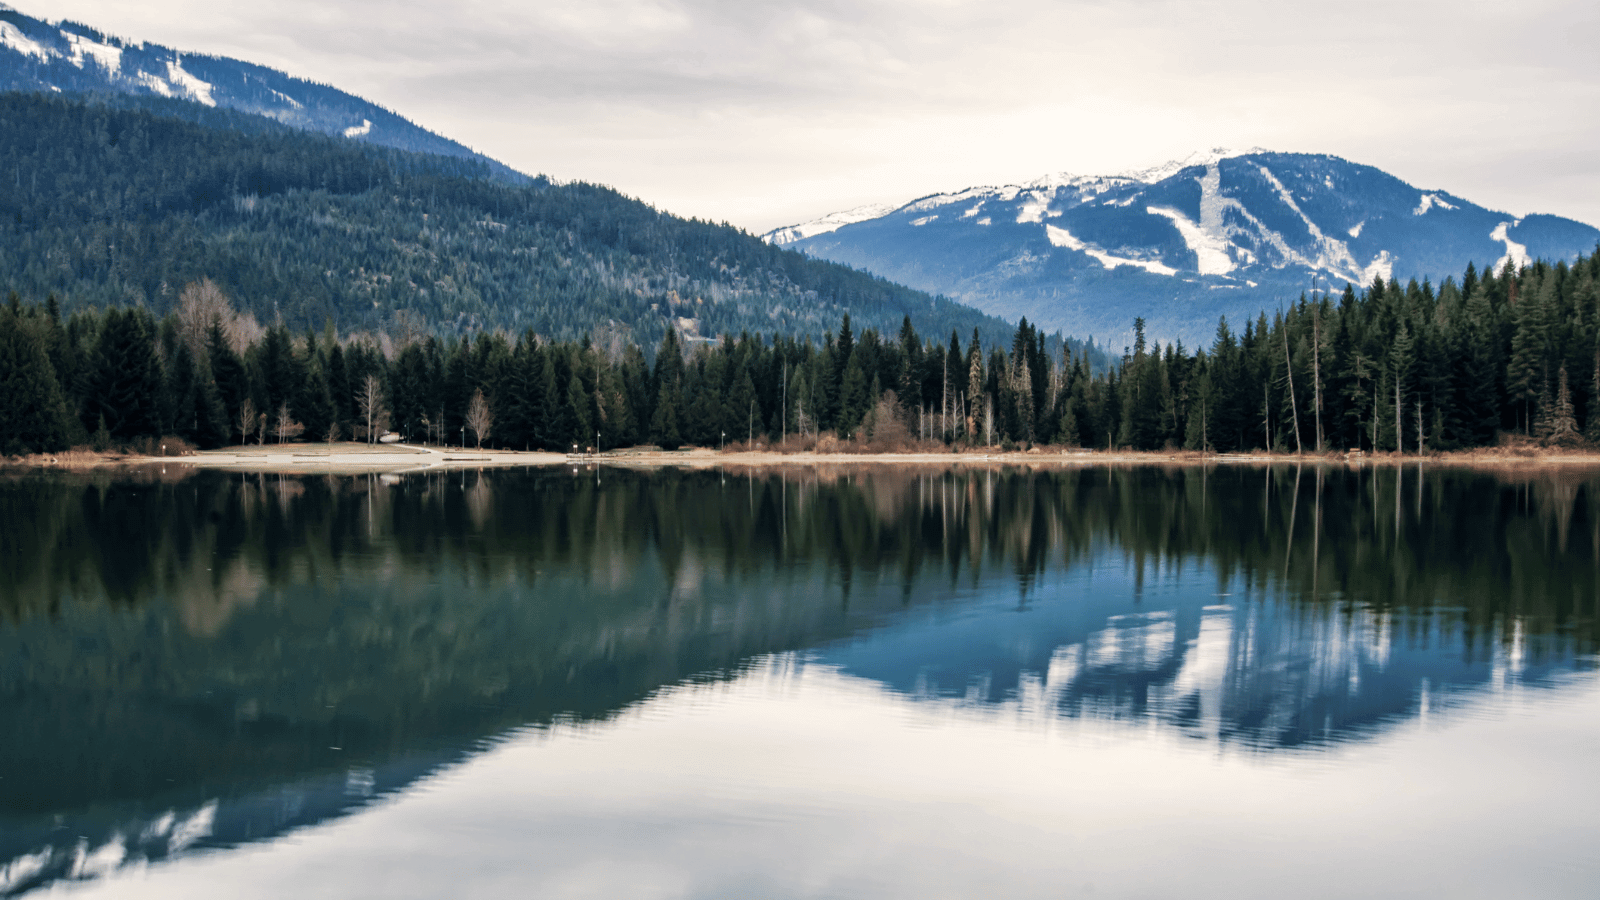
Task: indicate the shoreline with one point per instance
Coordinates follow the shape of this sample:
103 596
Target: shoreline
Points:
352 458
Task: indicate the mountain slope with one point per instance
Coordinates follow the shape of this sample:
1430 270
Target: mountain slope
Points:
105 206
1217 234
68 57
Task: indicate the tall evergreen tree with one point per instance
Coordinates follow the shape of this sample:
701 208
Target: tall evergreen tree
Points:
126 390
33 411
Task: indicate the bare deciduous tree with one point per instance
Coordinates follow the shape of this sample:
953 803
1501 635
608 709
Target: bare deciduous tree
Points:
480 418
285 425
201 305
369 402
247 420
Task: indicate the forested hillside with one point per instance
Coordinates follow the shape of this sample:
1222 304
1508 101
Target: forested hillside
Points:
106 206
1406 368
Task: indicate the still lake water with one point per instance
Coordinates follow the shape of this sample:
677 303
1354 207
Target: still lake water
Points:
859 682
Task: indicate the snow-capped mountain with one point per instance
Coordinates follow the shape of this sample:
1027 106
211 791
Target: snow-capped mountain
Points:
69 57
1220 233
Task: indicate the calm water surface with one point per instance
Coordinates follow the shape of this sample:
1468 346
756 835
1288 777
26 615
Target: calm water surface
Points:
1131 682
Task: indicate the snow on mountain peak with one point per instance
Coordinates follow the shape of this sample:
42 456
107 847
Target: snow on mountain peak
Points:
1166 170
1036 195
1099 184
830 222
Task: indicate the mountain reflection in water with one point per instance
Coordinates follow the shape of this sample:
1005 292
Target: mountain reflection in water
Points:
213 659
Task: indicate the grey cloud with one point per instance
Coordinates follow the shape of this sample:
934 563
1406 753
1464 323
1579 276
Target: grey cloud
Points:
812 105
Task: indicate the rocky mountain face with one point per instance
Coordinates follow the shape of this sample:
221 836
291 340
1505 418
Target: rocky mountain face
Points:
1220 233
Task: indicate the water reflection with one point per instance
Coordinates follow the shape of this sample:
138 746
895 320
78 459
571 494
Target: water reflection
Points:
209 660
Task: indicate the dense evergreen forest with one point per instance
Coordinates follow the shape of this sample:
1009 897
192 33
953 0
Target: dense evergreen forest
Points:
121 201
1405 368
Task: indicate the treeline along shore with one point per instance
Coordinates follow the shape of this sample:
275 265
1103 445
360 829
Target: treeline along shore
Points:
1409 368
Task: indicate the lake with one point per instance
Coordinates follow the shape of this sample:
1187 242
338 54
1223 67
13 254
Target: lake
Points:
863 682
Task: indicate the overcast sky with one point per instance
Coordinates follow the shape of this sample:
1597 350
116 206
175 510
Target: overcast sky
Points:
765 114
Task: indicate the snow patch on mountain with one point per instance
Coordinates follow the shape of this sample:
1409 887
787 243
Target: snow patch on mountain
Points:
362 130
1429 201
1382 266
155 84
918 223
1332 254
11 36
1516 254
1061 237
1034 208
1213 204
1211 250
107 56
191 86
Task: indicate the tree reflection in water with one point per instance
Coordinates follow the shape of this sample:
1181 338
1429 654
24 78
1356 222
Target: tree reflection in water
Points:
206 659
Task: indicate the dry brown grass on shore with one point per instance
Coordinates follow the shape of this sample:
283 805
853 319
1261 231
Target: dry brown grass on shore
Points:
76 458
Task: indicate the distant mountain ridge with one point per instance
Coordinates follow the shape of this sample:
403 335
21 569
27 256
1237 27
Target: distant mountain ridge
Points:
1219 233
70 57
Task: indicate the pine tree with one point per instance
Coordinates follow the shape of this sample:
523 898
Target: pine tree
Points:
127 381
33 413
853 399
313 404
228 374
664 429
742 409
1563 427
1525 373
198 414
340 388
